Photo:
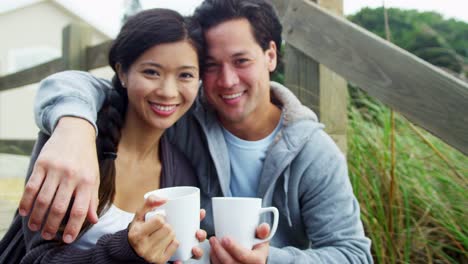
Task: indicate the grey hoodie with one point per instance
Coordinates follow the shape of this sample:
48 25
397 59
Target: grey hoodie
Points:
304 173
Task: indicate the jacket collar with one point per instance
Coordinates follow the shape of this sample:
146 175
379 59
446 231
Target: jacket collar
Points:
286 146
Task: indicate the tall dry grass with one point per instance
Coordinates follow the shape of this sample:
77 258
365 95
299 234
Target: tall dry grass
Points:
428 215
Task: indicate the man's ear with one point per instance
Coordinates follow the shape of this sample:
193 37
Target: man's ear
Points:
272 56
122 75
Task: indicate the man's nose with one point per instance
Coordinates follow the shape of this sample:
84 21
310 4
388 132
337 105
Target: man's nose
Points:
227 77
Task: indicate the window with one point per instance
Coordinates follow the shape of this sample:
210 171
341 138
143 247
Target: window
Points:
23 58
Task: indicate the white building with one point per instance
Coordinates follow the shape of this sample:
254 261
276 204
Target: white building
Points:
31 35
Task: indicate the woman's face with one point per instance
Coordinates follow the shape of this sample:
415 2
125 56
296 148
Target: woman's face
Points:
162 84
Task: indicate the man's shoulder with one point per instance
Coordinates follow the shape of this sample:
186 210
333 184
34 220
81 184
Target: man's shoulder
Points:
320 149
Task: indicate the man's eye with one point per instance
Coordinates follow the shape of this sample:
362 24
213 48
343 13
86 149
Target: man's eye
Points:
210 65
241 61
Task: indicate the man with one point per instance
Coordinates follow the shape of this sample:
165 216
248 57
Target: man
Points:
246 136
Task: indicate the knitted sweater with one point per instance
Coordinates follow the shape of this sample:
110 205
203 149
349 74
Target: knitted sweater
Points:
21 245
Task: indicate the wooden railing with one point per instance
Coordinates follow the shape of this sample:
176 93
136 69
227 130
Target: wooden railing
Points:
77 54
424 94
427 96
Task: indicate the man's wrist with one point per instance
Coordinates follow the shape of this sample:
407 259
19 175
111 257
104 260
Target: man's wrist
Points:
69 124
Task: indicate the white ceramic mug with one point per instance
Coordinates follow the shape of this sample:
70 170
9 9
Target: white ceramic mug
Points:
182 212
238 217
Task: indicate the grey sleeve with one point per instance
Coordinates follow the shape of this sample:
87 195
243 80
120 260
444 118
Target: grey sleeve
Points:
69 93
330 213
110 248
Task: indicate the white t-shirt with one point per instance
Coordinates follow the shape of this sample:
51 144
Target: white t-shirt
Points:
114 220
247 158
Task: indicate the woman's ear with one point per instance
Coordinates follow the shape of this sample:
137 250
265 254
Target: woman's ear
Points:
272 56
122 75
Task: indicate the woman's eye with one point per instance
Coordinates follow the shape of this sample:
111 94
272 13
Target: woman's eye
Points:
187 75
151 72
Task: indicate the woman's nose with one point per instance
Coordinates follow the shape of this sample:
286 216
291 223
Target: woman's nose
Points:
168 88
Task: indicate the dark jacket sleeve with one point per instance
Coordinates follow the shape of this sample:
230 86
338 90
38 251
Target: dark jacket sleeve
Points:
111 248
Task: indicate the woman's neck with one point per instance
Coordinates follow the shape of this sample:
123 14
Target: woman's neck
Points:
138 165
139 140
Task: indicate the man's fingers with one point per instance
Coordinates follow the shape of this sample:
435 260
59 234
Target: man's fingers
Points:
213 258
42 202
215 247
77 214
236 251
93 205
263 231
221 253
57 210
31 189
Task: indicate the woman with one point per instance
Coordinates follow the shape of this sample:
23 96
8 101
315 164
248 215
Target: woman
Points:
156 61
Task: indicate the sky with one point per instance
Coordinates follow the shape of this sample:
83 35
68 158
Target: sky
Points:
106 14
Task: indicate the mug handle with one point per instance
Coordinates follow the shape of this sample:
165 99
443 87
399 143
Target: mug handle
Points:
275 224
154 213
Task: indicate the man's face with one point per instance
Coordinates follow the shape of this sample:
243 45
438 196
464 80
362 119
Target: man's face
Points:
236 80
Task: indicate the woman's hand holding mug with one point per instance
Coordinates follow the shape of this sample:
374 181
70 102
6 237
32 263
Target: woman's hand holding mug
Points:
153 240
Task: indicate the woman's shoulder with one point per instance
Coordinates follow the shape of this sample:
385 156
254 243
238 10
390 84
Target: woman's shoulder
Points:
177 169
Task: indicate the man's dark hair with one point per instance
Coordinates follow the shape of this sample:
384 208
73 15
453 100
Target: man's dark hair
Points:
261 14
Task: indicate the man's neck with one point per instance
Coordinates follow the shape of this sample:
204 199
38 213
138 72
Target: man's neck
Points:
255 126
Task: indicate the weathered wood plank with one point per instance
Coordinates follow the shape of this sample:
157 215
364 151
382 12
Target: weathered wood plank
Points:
302 77
423 93
19 147
281 6
96 56
334 92
334 105
75 39
318 87
31 75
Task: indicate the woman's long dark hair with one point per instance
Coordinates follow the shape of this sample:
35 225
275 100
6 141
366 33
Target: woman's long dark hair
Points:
140 33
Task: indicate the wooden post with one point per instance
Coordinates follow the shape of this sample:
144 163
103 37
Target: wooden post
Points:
281 6
75 39
318 87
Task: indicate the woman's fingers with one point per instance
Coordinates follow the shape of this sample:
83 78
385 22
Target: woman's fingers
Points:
202 214
150 203
201 235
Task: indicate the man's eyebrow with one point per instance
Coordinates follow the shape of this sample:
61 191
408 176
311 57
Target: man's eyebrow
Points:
237 54
240 53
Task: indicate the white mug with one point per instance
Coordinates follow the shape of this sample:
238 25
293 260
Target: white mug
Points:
182 212
238 217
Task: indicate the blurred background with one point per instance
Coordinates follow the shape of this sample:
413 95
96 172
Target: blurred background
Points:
430 219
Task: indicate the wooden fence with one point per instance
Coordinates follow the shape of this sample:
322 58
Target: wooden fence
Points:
427 96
